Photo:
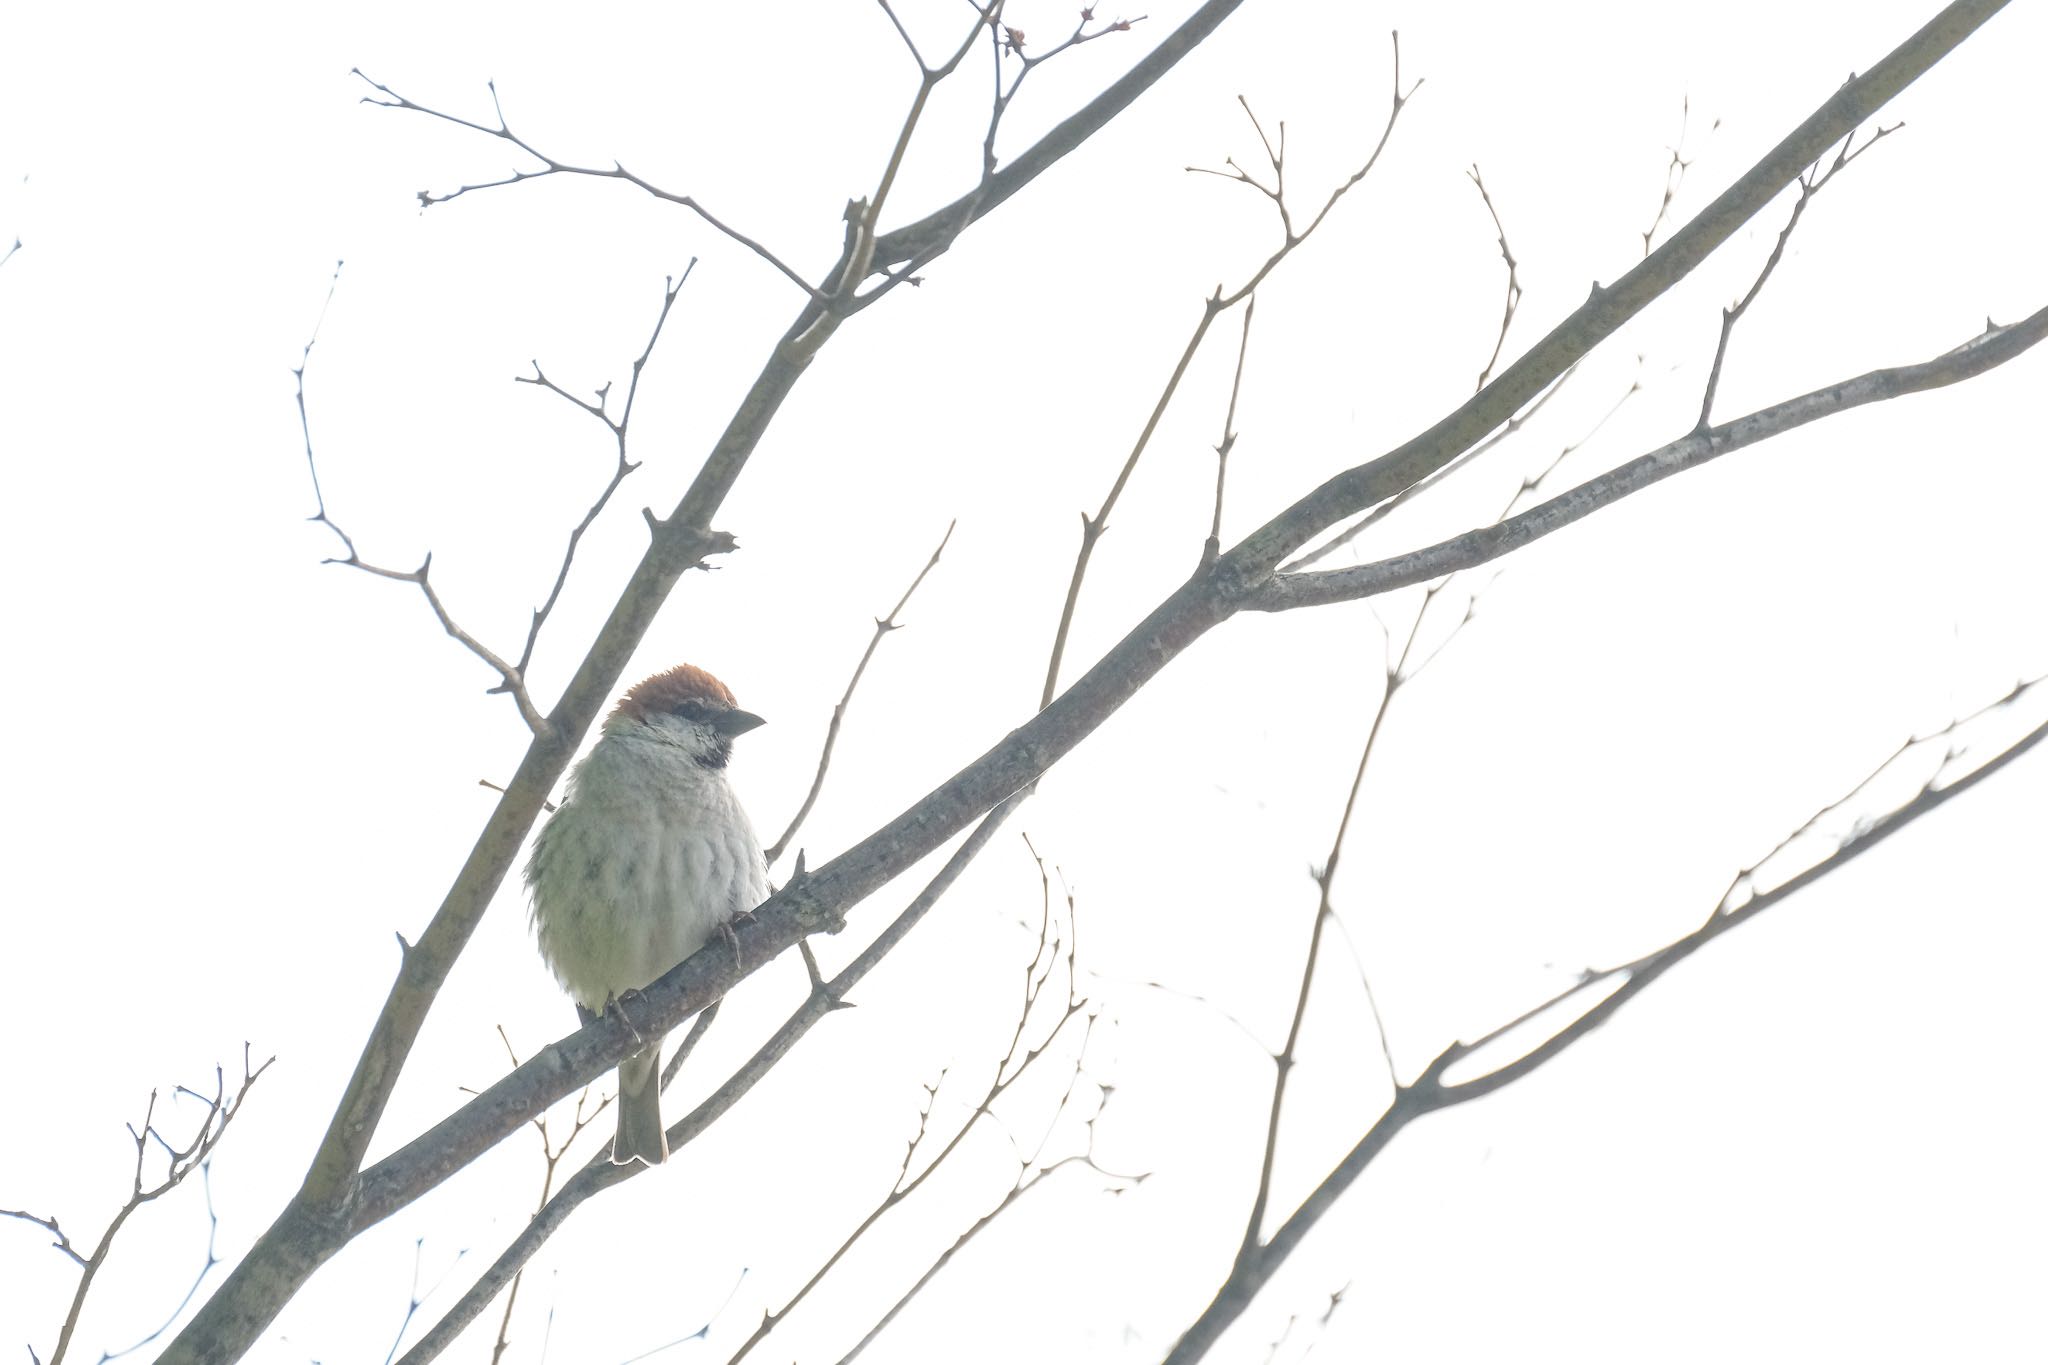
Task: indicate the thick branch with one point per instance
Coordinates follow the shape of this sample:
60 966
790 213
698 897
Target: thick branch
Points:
317 1223
818 901
1992 348
600 1174
1608 309
331 1206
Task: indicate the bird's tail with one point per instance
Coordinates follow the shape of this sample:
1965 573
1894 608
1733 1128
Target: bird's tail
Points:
641 1137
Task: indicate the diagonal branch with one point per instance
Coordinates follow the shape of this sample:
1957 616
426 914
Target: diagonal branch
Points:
600 1174
1993 347
1054 948
1609 307
338 1198
1430 1092
818 901
922 240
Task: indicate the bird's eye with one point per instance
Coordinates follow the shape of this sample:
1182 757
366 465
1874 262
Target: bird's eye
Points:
688 710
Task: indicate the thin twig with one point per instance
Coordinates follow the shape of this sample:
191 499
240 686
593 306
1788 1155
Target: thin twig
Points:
1514 284
1214 545
671 286
884 625
1092 528
1005 41
917 244
549 166
551 1159
1674 173
511 679
1430 1092
1400 670
1673 176
1810 184
180 1162
1053 949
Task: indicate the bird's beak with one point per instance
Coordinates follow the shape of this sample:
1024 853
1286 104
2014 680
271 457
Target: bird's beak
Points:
735 722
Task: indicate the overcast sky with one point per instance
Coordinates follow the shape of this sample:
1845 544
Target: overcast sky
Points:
237 772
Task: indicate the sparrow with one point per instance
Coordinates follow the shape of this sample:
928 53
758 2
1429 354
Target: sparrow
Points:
648 855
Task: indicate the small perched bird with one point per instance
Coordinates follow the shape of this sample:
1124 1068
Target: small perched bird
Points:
647 856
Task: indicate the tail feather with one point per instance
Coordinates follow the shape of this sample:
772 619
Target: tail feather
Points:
641 1136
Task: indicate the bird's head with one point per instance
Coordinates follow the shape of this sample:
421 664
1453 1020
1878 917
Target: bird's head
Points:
686 708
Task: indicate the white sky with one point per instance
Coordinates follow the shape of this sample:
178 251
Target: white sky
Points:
236 773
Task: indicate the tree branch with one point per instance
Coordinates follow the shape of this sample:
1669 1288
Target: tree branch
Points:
336 1201
1430 1092
817 902
883 626
1607 309
922 240
1986 351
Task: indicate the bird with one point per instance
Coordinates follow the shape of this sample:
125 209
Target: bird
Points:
648 856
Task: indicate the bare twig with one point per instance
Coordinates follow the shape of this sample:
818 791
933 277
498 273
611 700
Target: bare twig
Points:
917 244
1322 1323
340 1196
1214 545
1810 184
929 77
511 678
179 1163
415 1297
1674 173
205 1268
839 299
549 166
551 1160
1514 284
1032 1175
671 286
1004 41
1401 669
702 1025
1092 528
1605 991
1033 1167
883 626
1055 949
